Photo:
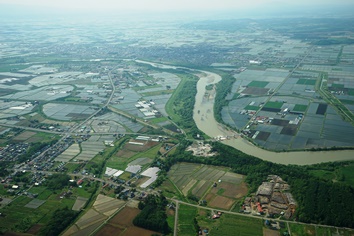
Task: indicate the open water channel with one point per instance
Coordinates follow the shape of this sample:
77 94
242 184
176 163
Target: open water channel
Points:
203 116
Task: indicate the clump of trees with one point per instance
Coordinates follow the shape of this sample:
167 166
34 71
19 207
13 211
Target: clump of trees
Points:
60 219
57 181
223 88
153 214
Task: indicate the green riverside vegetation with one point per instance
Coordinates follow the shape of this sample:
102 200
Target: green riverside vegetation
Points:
181 104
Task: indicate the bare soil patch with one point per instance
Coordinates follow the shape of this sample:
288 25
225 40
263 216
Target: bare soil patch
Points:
222 202
139 148
134 231
209 197
234 191
170 212
109 230
34 229
125 153
125 217
270 232
24 136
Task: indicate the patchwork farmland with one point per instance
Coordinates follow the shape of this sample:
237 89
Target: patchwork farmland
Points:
282 111
219 187
121 224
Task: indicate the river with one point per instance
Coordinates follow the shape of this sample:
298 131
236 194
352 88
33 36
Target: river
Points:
203 116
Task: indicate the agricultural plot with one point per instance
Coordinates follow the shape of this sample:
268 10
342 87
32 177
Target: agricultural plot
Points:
121 224
186 215
128 103
134 155
240 225
67 112
102 208
24 136
69 153
159 94
46 93
92 94
32 211
304 125
39 69
35 203
14 108
79 203
121 120
90 148
56 78
106 126
270 232
141 161
258 84
296 117
220 188
298 230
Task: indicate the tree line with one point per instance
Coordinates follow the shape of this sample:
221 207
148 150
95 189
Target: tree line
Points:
153 214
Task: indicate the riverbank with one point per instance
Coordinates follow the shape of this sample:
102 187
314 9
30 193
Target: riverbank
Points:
204 118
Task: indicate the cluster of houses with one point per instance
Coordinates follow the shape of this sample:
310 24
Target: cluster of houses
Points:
272 197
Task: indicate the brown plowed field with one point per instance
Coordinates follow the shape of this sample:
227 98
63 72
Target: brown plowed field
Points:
125 217
209 197
109 230
221 202
234 191
34 229
269 232
134 231
125 153
122 224
138 148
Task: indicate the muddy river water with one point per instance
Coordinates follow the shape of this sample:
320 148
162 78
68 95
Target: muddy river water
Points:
203 116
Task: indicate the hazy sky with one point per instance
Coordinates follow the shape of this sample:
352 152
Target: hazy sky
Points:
149 5
172 9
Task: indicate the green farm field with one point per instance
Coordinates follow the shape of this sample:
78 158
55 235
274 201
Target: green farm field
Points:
238 225
306 81
271 104
186 215
258 84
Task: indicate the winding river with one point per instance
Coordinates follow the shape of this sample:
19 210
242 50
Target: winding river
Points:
203 116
